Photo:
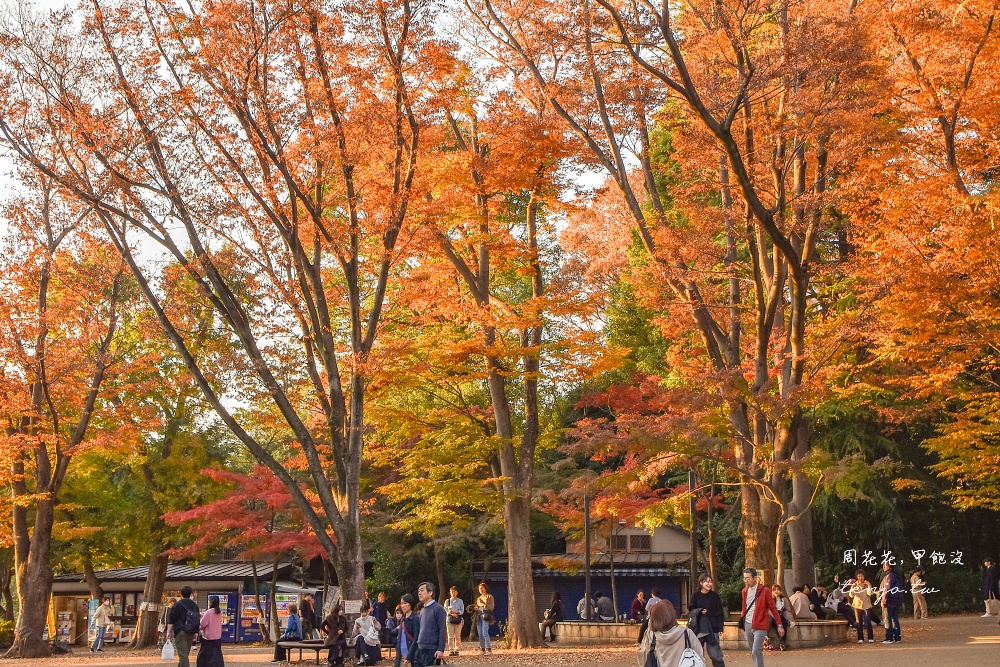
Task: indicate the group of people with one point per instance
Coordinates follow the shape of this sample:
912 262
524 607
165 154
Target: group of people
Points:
765 608
184 624
420 629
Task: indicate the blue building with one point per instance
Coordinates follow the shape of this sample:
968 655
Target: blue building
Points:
642 559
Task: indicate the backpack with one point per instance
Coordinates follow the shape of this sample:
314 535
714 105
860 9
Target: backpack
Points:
192 617
689 658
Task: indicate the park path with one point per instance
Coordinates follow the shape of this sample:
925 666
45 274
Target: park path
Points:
947 641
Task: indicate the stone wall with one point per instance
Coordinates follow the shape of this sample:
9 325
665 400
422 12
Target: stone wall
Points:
804 634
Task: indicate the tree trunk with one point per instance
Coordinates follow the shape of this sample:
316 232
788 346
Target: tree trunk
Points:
757 537
522 620
273 630
262 618
93 583
800 532
34 587
6 579
349 564
439 571
148 622
710 523
611 571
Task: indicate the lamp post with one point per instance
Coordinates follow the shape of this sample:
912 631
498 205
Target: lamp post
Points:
586 556
694 537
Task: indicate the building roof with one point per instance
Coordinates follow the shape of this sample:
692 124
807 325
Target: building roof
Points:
182 571
627 564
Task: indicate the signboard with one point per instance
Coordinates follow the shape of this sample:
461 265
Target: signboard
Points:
227 605
250 618
352 606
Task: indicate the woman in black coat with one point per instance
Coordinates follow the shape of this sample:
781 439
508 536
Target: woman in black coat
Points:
409 627
335 627
707 618
554 614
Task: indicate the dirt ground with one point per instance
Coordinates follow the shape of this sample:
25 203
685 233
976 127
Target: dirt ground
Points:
947 641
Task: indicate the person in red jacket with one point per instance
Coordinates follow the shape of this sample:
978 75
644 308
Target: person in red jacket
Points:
758 610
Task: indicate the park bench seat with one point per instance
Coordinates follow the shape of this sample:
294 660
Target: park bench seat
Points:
303 644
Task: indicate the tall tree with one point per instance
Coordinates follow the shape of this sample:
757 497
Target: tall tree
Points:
494 239
270 149
928 197
767 99
61 303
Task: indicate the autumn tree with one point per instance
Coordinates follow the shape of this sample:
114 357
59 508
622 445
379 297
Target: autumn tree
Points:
269 149
926 198
490 266
64 302
766 101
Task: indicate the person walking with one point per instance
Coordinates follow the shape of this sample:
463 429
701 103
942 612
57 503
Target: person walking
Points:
707 618
210 650
485 604
101 622
990 588
432 632
554 614
892 600
409 627
161 628
917 586
293 632
666 639
455 608
335 627
758 605
185 620
861 602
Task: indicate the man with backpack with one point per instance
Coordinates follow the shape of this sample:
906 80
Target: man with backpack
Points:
183 625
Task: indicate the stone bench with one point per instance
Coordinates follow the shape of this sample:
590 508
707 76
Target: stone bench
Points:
804 634
582 633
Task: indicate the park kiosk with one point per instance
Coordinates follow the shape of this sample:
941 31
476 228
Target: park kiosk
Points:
233 581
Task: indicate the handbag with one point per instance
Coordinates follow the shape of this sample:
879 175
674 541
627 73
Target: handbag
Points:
454 620
651 660
993 606
167 653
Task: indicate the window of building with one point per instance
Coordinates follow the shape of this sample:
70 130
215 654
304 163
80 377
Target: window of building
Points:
619 542
639 542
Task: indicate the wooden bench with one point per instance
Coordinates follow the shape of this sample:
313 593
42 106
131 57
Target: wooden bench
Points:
303 644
